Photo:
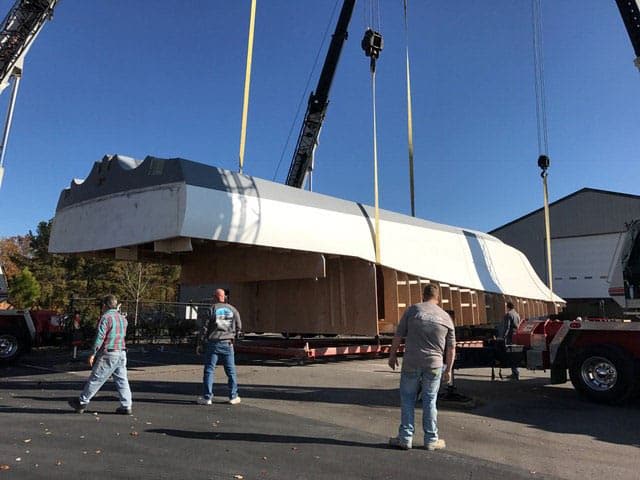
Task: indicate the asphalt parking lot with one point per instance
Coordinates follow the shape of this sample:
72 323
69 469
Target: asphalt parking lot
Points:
299 421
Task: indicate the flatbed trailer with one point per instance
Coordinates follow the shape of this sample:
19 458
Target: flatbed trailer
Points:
601 357
471 353
309 349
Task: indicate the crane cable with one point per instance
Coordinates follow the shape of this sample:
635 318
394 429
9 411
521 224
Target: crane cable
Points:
409 115
305 90
372 45
541 104
371 15
375 165
543 139
247 83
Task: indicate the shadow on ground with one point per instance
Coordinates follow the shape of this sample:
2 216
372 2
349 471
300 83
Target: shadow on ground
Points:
263 438
530 402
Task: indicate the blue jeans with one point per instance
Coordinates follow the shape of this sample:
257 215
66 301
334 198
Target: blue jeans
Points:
107 364
222 350
410 381
508 343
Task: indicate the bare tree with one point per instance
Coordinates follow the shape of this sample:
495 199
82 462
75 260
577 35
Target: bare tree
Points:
135 280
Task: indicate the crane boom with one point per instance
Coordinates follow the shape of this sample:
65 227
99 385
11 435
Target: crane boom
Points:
19 28
630 12
302 162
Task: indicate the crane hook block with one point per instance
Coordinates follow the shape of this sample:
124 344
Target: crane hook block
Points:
543 162
372 44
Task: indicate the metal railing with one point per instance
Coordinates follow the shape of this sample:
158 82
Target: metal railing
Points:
148 321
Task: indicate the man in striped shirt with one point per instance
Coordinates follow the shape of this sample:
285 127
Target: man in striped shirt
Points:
108 357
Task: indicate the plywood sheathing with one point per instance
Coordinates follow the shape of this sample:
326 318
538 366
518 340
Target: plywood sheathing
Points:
456 306
343 302
496 311
404 292
466 306
297 292
239 264
445 297
391 312
414 289
481 307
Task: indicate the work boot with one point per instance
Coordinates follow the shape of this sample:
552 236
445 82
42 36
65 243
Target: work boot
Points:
436 445
76 405
395 442
124 411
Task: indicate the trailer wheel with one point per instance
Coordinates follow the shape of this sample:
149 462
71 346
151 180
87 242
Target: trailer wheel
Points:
11 347
603 374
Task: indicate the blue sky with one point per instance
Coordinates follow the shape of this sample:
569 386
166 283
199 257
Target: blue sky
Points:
165 78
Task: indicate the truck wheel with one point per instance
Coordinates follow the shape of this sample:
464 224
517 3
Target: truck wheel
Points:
10 347
603 374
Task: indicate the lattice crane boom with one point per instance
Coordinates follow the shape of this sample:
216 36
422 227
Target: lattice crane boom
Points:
302 162
17 33
19 29
630 12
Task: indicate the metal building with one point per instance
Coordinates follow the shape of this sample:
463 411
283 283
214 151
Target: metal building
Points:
587 228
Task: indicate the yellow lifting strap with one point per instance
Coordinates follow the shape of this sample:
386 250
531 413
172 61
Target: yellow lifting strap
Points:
409 116
247 83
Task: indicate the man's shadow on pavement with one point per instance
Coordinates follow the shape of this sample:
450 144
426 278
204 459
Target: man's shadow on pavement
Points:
263 438
31 410
104 398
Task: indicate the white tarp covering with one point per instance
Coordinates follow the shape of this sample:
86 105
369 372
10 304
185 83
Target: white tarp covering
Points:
251 211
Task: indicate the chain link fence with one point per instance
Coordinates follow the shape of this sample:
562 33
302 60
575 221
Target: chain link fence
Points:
148 321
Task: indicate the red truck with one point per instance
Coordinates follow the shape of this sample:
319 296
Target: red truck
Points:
602 356
22 329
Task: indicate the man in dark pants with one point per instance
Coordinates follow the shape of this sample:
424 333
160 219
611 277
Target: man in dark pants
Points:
510 324
218 332
429 333
109 358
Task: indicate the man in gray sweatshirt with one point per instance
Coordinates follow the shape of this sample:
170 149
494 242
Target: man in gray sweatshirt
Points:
430 345
510 324
220 328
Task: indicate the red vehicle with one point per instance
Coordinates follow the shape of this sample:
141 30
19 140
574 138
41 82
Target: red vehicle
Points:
4 288
22 329
602 356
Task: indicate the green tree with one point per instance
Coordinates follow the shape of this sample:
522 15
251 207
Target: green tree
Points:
49 270
12 249
24 290
89 277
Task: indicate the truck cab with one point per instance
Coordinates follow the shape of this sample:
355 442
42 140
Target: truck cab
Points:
602 356
624 279
17 334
